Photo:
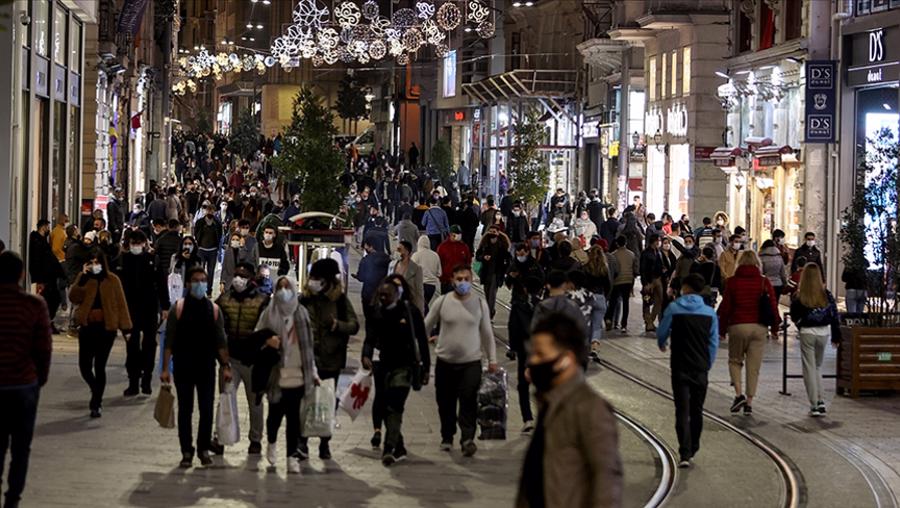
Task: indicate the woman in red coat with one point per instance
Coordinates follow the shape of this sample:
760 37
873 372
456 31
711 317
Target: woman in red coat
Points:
740 317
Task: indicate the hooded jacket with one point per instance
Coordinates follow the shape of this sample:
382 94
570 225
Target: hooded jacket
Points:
694 330
330 345
773 266
428 261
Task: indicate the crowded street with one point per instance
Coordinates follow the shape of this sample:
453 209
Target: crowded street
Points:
450 253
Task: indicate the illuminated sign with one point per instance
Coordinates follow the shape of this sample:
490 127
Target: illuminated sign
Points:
459 116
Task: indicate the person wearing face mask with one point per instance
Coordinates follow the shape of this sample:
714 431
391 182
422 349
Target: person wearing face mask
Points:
453 252
185 260
728 258
465 338
273 252
690 247
537 251
173 204
235 253
241 306
573 457
373 267
493 253
286 325
584 228
436 224
147 295
778 236
669 259
195 339
402 347
44 268
333 321
405 267
430 263
522 266
517 224
685 226
208 232
102 311
810 251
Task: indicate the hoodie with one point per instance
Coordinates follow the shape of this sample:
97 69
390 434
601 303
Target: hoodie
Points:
694 330
428 261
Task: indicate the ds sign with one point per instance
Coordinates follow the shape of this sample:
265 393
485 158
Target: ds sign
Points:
820 101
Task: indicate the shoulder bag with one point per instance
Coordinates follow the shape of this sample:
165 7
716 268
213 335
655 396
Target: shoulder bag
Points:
417 375
766 315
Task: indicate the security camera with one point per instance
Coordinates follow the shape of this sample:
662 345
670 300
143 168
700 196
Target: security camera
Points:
25 19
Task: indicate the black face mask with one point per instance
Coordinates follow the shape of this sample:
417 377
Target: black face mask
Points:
543 374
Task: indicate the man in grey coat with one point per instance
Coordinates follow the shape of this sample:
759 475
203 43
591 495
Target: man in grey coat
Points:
406 230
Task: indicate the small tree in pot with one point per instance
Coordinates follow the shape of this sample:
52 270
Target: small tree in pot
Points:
528 170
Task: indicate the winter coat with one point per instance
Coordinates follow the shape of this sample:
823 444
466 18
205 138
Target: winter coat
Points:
112 301
414 278
330 345
495 267
406 230
740 301
43 266
168 244
452 254
694 328
773 266
628 266
428 261
145 287
806 317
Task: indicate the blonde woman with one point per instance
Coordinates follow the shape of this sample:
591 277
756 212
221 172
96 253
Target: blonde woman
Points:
746 322
816 316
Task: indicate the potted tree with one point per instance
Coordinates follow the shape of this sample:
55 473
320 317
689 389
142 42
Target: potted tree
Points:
528 171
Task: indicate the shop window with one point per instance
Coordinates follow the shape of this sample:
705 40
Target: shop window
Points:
41 22
863 6
59 181
793 19
686 72
879 5
745 32
766 26
674 73
652 85
75 46
662 78
60 24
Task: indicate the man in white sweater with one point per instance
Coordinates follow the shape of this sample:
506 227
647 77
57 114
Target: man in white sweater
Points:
465 338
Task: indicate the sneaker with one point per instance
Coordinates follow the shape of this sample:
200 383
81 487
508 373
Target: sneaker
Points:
388 459
446 446
400 453
684 463
815 413
95 413
146 389
303 452
624 331
821 407
376 439
187 460
528 427
739 402
255 448
271 453
747 409
216 448
205 459
293 465
131 391
469 448
324 451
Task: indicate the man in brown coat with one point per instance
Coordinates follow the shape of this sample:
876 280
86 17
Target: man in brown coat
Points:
573 459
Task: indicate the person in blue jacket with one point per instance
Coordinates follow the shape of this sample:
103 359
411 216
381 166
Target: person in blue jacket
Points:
693 328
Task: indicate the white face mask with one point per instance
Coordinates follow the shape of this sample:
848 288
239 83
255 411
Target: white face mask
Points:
137 250
268 237
96 269
810 243
522 259
736 245
235 244
284 294
239 283
315 285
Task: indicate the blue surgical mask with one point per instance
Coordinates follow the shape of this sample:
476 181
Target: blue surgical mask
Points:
284 294
463 287
522 259
198 289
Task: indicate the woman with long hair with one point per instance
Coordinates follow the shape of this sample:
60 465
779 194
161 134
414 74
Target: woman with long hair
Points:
599 283
817 319
749 309
102 311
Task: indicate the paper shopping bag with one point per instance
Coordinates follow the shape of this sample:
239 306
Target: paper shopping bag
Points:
356 395
227 426
164 412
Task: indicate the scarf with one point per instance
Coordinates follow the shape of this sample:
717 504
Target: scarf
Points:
290 321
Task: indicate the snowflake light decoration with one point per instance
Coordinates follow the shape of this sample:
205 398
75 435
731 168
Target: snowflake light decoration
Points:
404 18
309 17
433 33
328 38
348 14
478 12
377 49
448 16
403 59
485 29
370 10
412 39
441 50
425 10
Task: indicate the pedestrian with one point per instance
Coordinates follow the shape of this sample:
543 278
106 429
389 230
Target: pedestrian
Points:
598 283
167 244
809 251
406 230
652 282
333 321
778 237
525 296
44 268
573 458
465 334
855 279
411 272
436 224
816 316
102 311
583 228
273 252
430 263
452 252
493 254
707 268
773 266
623 285
208 232
794 280
195 339
728 258
693 328
238 251
147 295
372 269
25 351
241 306
293 375
522 266
403 359
745 317
58 237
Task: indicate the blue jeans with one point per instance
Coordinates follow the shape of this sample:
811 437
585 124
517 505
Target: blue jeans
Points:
598 312
208 259
19 405
856 301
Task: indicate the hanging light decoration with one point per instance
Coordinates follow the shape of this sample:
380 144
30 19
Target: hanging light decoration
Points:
425 10
370 10
448 16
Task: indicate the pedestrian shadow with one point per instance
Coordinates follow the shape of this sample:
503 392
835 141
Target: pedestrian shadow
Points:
68 426
432 484
813 425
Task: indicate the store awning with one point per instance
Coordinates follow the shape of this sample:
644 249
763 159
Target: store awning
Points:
724 156
237 89
769 156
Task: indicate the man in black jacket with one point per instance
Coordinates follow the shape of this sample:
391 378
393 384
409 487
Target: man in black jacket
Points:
147 293
609 230
517 224
694 329
651 280
809 251
115 210
44 268
595 209
167 245
208 232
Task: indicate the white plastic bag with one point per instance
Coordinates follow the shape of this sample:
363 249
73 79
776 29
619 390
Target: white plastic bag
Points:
176 287
357 394
317 411
227 425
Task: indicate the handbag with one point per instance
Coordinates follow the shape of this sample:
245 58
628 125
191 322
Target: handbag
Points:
227 423
317 411
164 412
766 315
417 375
356 395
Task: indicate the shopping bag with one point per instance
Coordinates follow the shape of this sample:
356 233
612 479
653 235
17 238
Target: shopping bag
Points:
164 412
317 411
176 287
227 425
357 394
493 396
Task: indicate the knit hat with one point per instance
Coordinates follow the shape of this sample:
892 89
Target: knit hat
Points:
90 235
455 229
325 269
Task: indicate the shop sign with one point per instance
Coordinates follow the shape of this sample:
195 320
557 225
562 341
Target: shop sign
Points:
821 84
614 149
636 184
459 116
703 153
676 120
884 356
874 57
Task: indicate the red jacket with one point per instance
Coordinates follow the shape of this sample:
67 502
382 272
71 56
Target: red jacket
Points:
452 254
25 340
740 302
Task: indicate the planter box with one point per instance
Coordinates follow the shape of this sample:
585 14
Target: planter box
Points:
868 359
